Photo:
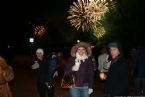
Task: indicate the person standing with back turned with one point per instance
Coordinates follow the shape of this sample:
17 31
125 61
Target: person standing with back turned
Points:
103 67
6 75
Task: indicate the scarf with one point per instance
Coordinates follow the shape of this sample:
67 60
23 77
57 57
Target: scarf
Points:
80 58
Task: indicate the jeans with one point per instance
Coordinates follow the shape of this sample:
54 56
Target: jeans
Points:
79 91
140 86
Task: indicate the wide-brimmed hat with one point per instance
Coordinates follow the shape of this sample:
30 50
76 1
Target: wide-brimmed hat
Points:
87 46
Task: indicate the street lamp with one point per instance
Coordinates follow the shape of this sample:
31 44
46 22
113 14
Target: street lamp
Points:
78 41
31 40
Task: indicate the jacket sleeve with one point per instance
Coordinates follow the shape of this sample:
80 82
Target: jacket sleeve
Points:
68 66
6 74
91 73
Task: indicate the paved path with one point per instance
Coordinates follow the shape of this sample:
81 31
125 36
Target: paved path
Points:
24 83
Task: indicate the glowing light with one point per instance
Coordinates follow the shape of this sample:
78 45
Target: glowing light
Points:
99 32
78 41
39 30
31 40
86 14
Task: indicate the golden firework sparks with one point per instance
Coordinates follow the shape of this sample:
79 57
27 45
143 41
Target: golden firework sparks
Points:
99 32
86 14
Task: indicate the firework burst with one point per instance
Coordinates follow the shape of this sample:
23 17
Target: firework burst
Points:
39 30
99 32
86 14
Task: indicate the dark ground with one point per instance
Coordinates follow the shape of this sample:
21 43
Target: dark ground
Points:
24 83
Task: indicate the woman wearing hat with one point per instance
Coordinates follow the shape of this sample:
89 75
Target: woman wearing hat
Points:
117 76
81 67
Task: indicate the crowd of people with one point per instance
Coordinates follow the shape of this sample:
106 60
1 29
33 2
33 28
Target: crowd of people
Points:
111 65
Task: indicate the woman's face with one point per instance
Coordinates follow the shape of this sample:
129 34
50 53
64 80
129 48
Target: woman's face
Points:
39 55
114 52
81 51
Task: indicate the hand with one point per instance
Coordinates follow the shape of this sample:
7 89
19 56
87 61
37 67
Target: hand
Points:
35 66
75 68
46 83
90 91
55 74
102 76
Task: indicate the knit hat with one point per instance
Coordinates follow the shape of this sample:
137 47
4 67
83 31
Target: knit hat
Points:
113 44
116 44
40 50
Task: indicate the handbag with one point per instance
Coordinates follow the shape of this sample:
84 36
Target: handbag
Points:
106 64
67 81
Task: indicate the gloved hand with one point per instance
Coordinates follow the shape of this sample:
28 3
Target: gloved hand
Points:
35 66
49 85
46 83
90 91
75 68
55 74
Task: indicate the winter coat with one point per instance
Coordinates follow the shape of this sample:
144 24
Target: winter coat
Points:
53 64
6 75
42 72
85 74
117 77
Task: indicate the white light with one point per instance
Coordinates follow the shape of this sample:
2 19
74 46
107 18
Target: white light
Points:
91 0
78 41
31 40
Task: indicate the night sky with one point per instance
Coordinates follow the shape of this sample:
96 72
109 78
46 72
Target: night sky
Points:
18 18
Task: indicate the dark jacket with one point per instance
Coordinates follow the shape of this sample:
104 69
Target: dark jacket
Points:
85 75
139 63
52 68
42 72
117 77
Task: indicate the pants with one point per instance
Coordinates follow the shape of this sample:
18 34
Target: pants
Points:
78 92
104 89
140 86
43 89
